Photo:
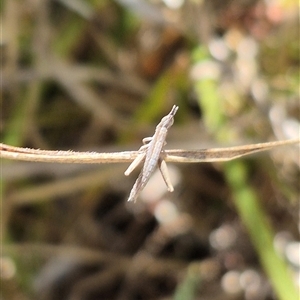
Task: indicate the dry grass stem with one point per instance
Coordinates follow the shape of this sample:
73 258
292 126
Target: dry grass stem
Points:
176 155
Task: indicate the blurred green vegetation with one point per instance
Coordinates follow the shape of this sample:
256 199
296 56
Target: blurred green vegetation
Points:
100 75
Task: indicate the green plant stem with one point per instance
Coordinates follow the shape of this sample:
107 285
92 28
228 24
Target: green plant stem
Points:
252 214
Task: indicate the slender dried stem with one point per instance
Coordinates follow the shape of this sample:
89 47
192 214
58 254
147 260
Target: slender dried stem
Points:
177 155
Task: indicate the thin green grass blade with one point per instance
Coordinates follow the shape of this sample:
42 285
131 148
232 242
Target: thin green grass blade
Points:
244 196
256 221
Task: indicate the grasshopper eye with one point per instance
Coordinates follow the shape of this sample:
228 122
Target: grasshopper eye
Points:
167 121
170 123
